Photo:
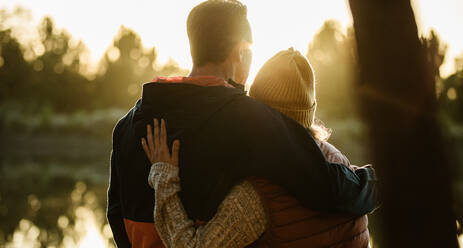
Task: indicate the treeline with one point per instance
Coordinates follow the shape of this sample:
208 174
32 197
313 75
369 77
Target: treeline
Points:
54 71
333 54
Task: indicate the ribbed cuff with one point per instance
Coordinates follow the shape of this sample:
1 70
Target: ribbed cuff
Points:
162 171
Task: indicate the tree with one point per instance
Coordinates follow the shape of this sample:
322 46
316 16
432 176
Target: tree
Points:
13 67
332 55
126 65
451 97
399 103
435 50
45 72
14 70
58 70
52 71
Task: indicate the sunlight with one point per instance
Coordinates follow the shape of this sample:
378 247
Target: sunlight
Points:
444 17
86 223
293 24
86 231
452 94
93 238
280 26
25 236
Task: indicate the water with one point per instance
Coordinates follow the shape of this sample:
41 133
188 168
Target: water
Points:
53 191
54 204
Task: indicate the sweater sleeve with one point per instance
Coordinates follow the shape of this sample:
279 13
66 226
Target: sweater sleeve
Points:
239 221
333 155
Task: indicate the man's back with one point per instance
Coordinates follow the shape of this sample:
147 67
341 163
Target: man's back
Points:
130 201
130 198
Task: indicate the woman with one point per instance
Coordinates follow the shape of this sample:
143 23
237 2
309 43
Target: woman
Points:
255 211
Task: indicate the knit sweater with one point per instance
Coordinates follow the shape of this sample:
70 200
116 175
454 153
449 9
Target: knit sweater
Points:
240 219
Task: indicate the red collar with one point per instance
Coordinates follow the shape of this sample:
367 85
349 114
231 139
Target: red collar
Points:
196 80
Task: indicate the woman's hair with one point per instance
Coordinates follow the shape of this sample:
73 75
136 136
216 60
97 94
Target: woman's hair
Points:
319 131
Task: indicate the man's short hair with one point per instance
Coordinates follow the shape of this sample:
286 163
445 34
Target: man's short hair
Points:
214 27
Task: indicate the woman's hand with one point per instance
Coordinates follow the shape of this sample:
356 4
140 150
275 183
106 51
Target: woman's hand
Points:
156 147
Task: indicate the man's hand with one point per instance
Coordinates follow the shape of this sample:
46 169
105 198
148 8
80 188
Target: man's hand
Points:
156 148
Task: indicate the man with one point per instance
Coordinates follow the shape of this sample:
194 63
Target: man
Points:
242 137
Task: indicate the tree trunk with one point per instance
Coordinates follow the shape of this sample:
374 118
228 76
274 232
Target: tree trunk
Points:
398 101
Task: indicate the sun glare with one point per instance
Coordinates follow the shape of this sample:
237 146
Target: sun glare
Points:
276 24
93 237
87 230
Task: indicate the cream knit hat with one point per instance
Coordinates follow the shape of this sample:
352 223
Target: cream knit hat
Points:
286 83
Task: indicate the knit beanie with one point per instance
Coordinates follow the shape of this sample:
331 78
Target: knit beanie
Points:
286 83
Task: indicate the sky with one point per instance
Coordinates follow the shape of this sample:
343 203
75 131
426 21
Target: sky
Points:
276 24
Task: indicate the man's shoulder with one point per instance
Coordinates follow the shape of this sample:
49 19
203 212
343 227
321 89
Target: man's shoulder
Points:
123 122
249 106
251 119
255 112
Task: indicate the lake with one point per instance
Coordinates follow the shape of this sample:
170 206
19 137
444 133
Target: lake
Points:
53 191
53 187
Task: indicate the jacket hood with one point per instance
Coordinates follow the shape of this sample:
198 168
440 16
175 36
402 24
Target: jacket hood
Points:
186 106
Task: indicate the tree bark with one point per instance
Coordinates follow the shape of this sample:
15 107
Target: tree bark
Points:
398 101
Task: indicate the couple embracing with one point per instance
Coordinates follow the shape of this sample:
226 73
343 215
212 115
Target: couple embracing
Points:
228 169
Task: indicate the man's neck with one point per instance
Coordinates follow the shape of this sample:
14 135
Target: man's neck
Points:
221 71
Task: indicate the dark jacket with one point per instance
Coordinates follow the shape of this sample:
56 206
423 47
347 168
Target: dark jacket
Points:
226 137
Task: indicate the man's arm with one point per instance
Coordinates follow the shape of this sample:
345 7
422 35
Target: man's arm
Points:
366 174
283 152
240 219
355 192
114 211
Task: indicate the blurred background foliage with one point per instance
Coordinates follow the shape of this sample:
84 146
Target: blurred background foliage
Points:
57 113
